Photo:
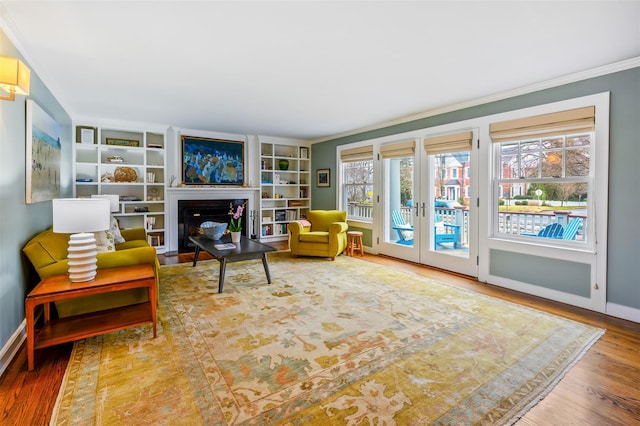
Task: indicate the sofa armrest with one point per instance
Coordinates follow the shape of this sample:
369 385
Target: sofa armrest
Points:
134 234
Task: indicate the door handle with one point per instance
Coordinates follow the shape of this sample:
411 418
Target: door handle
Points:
424 209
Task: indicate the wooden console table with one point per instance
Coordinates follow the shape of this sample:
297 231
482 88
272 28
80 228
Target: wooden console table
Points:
78 327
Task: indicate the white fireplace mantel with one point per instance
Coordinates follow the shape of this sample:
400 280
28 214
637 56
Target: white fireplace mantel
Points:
173 195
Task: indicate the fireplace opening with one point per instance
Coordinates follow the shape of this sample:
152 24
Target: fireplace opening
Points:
191 213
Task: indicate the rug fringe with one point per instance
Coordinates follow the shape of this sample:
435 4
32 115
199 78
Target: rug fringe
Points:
558 378
63 385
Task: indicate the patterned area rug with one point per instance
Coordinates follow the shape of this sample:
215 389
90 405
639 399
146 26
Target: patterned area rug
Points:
342 343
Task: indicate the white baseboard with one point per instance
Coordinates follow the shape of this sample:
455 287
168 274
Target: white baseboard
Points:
624 312
12 347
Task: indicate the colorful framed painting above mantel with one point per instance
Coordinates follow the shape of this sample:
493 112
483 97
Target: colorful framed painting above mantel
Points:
207 161
43 149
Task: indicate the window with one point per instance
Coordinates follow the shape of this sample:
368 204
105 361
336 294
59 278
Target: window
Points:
357 183
543 175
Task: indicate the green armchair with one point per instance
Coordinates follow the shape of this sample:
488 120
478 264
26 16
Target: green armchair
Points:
322 234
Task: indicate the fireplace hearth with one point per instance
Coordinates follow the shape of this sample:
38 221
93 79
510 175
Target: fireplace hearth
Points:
191 213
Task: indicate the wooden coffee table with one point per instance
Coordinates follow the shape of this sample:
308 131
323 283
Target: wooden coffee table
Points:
59 287
246 249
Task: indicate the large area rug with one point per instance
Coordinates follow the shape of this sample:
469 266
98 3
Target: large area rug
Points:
328 343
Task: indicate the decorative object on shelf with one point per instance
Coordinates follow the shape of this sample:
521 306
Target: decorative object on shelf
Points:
141 209
154 145
323 178
15 77
115 159
106 178
86 135
84 180
213 230
235 224
43 155
81 217
283 164
208 161
151 177
125 174
122 142
304 152
154 194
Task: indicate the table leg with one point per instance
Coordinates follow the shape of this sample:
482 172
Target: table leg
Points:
223 269
195 255
152 302
29 307
266 267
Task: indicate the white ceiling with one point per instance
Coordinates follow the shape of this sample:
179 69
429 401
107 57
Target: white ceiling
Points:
306 69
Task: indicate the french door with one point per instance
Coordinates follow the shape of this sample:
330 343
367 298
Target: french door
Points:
428 204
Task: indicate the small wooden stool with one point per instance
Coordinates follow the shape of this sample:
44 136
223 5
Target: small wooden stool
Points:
354 243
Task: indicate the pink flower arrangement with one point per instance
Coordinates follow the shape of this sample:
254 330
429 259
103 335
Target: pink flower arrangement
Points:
235 224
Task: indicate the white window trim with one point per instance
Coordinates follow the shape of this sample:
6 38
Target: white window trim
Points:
595 251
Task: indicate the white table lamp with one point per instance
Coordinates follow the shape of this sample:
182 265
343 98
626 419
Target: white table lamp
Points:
81 217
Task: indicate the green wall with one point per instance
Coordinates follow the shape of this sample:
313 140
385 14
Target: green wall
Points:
20 221
624 174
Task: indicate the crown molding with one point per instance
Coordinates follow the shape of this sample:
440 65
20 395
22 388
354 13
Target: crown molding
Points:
556 82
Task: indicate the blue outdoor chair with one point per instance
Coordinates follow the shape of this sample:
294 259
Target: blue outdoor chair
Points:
571 230
404 229
451 233
552 230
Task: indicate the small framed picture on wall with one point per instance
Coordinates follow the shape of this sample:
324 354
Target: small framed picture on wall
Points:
323 178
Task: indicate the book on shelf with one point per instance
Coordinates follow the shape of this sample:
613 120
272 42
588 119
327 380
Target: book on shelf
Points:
155 240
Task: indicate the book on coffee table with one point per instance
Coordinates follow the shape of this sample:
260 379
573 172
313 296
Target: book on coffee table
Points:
226 246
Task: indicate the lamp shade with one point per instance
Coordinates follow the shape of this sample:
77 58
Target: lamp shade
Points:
73 215
114 200
14 76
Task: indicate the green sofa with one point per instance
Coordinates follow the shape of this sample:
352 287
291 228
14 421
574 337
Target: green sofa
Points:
322 234
47 252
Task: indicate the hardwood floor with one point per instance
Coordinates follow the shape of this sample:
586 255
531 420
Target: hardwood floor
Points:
601 389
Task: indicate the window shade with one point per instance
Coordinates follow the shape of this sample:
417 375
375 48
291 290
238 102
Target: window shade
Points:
361 153
398 150
448 143
557 123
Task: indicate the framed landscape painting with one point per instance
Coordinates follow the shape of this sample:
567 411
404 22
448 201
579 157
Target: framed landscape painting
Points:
208 161
43 155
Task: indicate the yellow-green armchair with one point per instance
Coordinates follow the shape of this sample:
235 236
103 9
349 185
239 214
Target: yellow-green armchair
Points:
322 234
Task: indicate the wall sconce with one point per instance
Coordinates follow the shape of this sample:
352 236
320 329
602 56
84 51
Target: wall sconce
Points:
14 77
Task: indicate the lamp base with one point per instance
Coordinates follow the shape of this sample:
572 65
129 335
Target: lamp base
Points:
82 257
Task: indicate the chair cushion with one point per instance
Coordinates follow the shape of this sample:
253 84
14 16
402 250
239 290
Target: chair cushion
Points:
315 237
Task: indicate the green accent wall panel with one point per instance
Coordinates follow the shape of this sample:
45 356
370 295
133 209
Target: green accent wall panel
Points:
561 275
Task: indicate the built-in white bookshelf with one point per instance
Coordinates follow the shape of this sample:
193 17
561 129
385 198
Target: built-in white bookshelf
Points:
285 179
129 163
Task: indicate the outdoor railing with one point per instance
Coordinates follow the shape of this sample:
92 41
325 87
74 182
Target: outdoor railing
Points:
511 223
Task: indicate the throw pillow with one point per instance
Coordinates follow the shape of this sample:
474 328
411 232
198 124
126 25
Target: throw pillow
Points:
115 231
104 242
407 235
